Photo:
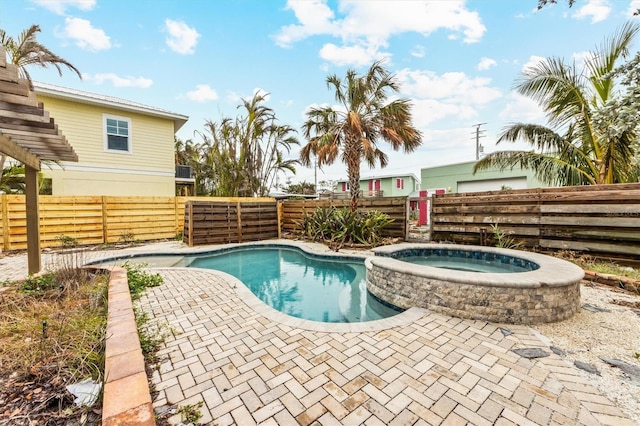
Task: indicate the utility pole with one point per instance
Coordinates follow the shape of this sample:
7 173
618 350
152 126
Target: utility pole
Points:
477 135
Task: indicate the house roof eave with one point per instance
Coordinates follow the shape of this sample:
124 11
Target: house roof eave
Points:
59 92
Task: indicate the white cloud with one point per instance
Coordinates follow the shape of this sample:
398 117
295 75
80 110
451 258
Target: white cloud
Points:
314 17
233 97
418 51
580 58
368 26
59 6
533 62
118 81
598 10
85 35
350 55
455 87
486 63
236 98
203 93
633 7
263 93
522 109
182 38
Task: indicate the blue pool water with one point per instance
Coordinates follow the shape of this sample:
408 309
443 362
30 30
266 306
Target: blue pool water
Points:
309 287
465 260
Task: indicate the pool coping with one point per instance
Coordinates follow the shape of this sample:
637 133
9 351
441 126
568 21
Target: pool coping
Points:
126 395
552 272
125 367
242 291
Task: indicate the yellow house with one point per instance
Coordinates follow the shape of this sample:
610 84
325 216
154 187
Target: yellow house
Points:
124 148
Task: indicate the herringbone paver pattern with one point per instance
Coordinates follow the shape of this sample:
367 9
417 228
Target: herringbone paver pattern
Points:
250 365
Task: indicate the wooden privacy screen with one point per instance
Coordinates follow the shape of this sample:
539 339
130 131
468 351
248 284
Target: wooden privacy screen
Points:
598 219
395 207
214 222
96 219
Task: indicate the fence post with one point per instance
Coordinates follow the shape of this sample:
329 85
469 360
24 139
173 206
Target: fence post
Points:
279 205
5 224
176 217
189 213
239 213
407 227
105 233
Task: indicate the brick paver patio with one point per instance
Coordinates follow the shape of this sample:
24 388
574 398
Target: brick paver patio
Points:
249 364
252 365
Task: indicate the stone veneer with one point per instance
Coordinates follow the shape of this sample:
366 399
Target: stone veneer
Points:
548 294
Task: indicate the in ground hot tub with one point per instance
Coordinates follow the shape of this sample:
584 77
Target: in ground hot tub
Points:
483 283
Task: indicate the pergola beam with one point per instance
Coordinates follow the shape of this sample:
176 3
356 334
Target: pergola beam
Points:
28 135
15 151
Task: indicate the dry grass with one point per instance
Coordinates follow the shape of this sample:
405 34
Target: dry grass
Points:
597 265
53 326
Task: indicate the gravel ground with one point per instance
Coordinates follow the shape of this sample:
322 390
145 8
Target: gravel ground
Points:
613 332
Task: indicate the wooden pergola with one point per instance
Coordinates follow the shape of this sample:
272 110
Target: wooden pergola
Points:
28 135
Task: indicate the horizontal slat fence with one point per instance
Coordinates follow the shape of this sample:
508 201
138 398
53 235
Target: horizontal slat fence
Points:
213 222
599 219
396 207
96 219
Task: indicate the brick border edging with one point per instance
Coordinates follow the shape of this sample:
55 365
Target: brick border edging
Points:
625 283
126 397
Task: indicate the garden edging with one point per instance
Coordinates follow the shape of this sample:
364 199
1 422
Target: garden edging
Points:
126 398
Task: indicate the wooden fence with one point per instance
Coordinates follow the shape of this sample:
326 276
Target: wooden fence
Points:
217 222
395 207
601 220
95 219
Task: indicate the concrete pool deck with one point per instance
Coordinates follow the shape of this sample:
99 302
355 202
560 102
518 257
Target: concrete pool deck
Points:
249 365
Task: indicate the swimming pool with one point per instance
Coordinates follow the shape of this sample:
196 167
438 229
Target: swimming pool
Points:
480 283
312 287
465 260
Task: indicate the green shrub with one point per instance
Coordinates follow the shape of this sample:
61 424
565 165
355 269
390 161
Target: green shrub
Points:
502 240
139 279
342 226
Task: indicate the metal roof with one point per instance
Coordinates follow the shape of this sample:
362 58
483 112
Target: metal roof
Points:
53 91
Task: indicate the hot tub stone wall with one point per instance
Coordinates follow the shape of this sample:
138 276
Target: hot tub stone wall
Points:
502 304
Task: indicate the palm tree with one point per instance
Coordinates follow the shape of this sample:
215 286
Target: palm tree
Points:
12 180
245 154
364 116
26 50
573 150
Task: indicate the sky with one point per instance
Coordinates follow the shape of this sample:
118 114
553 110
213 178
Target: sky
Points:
456 61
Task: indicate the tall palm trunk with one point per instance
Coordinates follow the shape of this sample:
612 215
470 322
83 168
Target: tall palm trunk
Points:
353 154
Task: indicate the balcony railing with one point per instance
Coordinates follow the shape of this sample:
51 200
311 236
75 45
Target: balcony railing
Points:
346 195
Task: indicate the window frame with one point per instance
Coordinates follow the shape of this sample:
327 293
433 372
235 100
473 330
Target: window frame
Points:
105 135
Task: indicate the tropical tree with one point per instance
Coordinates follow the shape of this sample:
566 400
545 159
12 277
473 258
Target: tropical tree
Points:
26 51
12 180
573 149
243 156
621 113
303 187
353 129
